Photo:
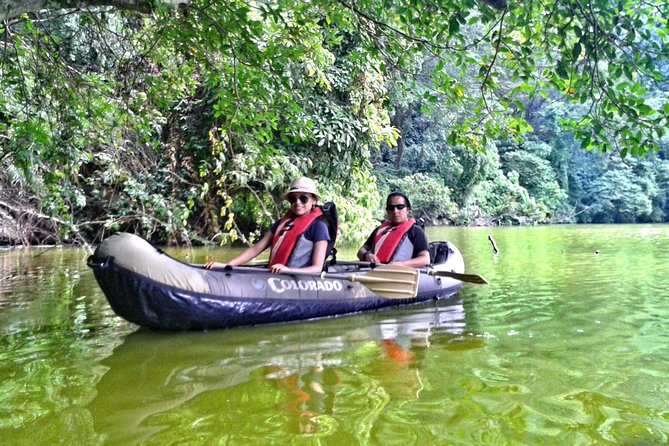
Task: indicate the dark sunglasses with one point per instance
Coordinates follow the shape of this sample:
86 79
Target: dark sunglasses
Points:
390 207
293 199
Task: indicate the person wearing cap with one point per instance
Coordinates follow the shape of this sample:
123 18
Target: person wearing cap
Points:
399 240
298 241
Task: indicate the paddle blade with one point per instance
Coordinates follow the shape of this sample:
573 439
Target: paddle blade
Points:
390 281
471 278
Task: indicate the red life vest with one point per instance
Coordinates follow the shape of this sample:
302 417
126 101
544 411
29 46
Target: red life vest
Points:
388 238
289 229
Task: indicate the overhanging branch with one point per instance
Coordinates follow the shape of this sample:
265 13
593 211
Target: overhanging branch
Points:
10 9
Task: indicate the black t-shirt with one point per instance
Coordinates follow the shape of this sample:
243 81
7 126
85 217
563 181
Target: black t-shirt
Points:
416 236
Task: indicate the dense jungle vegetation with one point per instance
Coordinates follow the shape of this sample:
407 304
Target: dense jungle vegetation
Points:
184 121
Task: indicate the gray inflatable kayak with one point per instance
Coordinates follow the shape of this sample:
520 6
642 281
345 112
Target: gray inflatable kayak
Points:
149 288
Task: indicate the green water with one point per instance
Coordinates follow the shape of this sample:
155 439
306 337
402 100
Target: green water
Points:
562 347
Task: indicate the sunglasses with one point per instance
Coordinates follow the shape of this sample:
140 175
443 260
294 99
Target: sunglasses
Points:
392 207
292 199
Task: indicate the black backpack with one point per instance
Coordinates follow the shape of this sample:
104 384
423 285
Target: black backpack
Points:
331 219
439 252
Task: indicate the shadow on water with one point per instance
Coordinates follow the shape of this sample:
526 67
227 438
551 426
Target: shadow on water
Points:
297 368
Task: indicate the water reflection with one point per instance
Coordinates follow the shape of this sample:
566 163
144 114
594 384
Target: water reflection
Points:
563 347
306 374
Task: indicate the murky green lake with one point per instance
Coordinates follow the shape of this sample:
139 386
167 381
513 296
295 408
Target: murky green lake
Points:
564 346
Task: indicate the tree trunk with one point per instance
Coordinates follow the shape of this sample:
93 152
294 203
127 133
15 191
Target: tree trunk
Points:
398 123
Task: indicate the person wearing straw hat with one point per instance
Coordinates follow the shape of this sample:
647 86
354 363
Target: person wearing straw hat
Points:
298 241
399 240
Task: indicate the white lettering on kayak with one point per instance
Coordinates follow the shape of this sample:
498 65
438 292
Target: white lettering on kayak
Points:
280 285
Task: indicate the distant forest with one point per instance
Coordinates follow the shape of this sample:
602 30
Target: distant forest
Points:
185 121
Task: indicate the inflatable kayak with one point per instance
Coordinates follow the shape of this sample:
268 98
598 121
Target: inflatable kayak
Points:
149 288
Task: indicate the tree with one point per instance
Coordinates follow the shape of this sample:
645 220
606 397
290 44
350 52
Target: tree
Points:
10 9
599 53
535 173
430 200
160 110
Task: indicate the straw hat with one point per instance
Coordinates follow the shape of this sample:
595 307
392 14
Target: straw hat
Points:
302 184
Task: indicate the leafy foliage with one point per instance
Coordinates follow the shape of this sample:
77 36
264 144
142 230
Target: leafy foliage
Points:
430 199
183 124
535 173
616 191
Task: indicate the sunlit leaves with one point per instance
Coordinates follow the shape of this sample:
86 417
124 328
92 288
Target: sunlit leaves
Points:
591 48
240 96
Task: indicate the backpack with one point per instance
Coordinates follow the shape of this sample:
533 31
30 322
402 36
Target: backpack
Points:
331 219
438 252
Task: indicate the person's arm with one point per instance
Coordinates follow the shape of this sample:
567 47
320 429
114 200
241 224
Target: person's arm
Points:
367 255
362 252
365 252
318 256
248 254
253 251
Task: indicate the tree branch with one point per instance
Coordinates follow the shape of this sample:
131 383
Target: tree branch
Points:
10 8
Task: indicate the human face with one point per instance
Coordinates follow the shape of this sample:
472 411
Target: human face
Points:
301 203
396 215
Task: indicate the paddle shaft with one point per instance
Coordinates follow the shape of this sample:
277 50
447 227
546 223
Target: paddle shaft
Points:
388 281
463 277
255 269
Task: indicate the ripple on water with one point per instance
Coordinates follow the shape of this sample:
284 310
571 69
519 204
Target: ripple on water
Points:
562 347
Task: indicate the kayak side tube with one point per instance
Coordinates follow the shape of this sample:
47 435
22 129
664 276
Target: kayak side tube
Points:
149 288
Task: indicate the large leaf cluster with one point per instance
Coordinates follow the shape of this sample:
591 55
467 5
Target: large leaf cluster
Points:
186 122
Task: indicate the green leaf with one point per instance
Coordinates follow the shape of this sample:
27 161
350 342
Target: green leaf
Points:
576 52
561 70
453 26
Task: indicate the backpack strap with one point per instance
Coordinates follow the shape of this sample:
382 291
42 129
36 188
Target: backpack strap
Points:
331 219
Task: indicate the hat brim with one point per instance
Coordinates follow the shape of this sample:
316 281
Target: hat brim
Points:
306 191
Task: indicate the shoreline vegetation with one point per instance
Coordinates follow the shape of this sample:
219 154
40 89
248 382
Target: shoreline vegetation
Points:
25 226
36 230
184 125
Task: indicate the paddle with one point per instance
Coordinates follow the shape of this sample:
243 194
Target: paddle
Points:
470 278
389 281
462 277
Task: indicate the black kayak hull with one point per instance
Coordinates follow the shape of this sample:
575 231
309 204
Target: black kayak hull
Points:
149 288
